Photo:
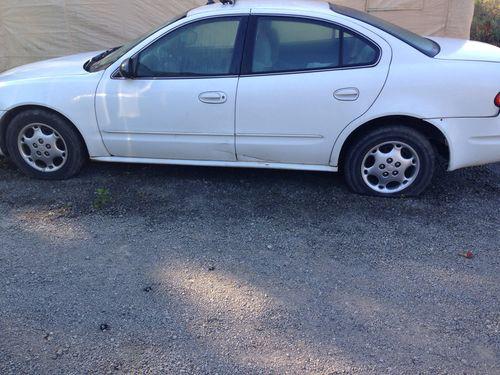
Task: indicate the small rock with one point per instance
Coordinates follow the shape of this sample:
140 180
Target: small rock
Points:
104 327
148 289
211 268
58 354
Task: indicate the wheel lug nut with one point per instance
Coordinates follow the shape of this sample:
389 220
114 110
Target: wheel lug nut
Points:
382 166
390 160
398 165
48 146
47 153
35 145
386 174
395 173
39 153
40 141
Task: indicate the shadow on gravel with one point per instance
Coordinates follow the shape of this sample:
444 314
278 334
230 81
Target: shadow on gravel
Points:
208 270
148 190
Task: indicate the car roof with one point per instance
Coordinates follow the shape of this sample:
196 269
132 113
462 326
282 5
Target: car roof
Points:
243 5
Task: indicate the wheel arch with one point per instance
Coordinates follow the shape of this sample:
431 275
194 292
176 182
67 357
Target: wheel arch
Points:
435 135
13 112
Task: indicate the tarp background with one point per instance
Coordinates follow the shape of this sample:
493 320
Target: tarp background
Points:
33 30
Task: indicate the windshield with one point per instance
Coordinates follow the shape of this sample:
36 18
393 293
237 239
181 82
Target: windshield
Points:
108 58
424 45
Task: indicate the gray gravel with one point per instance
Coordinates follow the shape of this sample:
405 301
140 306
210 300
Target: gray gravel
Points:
206 271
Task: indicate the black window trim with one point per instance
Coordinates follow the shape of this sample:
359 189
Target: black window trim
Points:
339 9
250 46
245 45
237 53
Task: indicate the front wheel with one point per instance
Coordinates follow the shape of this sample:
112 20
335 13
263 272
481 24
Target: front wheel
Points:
391 161
44 145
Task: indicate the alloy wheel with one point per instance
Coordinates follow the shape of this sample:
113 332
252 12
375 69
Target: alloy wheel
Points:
390 167
42 147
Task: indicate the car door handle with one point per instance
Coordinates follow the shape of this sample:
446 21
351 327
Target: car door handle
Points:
348 94
213 97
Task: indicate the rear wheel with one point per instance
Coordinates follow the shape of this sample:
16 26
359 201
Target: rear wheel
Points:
391 161
44 145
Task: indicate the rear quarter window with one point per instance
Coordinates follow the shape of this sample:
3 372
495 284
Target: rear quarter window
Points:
426 46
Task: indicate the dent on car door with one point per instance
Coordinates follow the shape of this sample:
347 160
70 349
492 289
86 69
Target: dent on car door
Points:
303 82
181 102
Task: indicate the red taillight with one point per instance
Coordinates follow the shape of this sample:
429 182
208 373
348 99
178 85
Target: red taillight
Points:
497 100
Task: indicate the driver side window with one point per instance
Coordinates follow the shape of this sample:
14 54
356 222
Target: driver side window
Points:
205 48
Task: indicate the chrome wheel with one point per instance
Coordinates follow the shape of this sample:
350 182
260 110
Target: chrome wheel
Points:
42 147
390 167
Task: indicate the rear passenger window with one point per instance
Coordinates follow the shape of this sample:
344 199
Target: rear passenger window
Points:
283 45
356 51
289 44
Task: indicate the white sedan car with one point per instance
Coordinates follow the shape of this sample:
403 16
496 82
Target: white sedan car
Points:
268 84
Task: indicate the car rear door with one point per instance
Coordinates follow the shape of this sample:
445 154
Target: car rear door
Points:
303 81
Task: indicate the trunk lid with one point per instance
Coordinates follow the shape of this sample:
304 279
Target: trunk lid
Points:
466 50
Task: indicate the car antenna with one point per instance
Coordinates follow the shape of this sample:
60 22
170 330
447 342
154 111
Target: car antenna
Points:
224 2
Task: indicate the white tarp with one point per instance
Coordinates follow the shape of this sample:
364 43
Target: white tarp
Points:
33 30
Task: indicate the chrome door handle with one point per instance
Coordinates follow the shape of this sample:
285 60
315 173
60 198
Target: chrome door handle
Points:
348 94
213 97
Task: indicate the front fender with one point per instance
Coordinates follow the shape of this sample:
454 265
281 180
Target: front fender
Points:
72 96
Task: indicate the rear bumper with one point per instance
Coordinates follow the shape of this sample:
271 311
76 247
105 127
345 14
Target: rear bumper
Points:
472 141
1 140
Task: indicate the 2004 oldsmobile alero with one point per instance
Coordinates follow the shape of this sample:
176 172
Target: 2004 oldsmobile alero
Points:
269 84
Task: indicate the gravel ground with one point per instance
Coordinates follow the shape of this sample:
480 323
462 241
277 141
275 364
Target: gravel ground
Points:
206 271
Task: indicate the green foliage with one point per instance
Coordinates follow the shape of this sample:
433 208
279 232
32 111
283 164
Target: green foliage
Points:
102 198
486 24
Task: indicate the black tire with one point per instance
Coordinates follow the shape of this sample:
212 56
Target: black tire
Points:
76 153
400 133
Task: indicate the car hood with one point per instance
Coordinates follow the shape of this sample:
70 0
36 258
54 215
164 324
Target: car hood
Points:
461 49
63 66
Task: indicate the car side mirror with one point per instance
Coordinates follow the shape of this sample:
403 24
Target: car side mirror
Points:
127 68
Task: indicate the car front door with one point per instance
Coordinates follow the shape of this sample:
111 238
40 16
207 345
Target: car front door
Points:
181 102
303 81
